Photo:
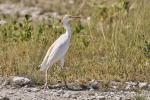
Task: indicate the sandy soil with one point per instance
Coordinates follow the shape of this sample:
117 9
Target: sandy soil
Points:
35 93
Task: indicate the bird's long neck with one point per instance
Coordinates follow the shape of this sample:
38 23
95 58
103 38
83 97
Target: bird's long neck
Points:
68 29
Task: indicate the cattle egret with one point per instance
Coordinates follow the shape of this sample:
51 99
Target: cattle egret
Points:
58 49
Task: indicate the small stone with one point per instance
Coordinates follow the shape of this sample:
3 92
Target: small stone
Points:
6 82
143 85
148 86
1 87
91 94
115 84
4 98
118 98
91 89
67 95
60 92
88 18
100 98
19 98
59 85
92 98
131 85
70 95
10 93
93 84
73 96
29 90
84 87
2 22
20 81
128 99
35 89
1 80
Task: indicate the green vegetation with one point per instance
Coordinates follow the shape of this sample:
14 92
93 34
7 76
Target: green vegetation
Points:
140 98
114 44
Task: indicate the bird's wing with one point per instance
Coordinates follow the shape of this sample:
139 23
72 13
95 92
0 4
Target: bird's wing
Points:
47 55
44 62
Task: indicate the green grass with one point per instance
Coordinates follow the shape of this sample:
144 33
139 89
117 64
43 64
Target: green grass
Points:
119 50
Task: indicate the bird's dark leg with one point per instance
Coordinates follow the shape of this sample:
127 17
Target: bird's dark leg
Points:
63 74
64 78
44 75
45 85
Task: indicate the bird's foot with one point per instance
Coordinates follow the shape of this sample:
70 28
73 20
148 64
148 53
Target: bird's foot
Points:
66 86
45 86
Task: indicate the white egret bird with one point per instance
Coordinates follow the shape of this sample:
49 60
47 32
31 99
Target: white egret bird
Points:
58 49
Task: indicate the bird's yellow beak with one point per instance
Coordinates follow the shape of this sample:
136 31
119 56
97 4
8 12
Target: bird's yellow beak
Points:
71 18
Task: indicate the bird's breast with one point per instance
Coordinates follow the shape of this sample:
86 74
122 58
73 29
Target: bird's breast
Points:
60 50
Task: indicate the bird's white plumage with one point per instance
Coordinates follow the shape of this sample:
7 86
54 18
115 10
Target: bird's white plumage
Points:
56 52
58 49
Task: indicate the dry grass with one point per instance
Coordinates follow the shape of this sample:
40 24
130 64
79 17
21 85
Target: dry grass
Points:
119 50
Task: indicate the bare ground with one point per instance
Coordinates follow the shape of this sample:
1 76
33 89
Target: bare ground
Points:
35 93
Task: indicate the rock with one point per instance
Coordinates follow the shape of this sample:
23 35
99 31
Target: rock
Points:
60 92
70 95
11 93
1 87
76 86
135 85
73 96
84 87
59 85
8 8
148 86
143 85
34 12
21 81
1 80
91 94
6 82
30 10
92 98
128 99
118 98
95 96
2 22
33 89
93 84
100 98
131 85
115 85
4 98
67 95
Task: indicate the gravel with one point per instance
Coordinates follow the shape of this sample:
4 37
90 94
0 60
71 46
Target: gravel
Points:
35 93
90 91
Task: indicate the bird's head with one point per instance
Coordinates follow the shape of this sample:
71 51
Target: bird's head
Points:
67 18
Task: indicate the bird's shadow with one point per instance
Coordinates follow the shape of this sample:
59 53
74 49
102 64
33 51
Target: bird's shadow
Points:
71 88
